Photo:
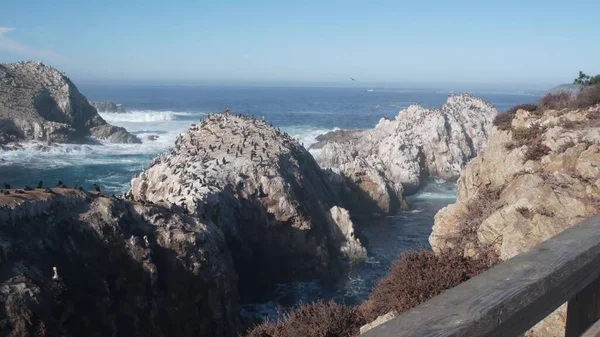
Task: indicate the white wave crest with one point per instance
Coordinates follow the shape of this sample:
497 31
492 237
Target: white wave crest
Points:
143 116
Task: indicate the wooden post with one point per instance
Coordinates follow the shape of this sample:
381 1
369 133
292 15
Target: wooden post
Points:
583 310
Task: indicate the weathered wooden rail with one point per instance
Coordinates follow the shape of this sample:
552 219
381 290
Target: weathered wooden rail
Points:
512 297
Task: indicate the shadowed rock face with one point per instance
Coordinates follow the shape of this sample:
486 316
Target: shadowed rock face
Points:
265 192
394 158
510 200
38 102
181 282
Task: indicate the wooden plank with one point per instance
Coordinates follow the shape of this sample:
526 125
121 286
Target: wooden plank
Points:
510 298
583 310
593 331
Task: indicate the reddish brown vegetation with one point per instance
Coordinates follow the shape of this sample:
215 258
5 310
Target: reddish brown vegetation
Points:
536 151
419 276
318 319
503 121
413 279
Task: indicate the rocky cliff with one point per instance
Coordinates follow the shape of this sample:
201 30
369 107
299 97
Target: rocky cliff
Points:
539 174
265 192
38 102
122 268
396 157
111 107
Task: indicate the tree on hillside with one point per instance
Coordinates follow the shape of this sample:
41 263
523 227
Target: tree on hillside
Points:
586 80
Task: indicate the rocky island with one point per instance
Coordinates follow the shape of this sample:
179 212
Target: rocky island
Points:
281 218
395 158
37 102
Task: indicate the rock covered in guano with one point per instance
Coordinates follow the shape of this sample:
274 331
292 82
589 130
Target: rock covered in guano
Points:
395 158
264 191
122 268
37 102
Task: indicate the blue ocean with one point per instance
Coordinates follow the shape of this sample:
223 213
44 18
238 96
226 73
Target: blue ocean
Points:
303 112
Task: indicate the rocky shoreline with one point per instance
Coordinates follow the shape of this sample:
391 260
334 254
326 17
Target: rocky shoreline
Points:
233 207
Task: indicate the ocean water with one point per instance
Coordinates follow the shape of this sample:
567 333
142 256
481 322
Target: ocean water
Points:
166 111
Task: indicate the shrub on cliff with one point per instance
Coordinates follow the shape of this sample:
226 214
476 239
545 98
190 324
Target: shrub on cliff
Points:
503 121
414 278
587 97
555 101
418 276
318 319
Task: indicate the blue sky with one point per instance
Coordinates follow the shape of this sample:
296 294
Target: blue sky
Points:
528 43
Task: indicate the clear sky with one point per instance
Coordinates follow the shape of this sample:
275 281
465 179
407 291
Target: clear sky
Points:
527 42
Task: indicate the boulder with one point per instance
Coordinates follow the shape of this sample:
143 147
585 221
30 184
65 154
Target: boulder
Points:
37 102
122 269
265 192
510 199
394 158
106 106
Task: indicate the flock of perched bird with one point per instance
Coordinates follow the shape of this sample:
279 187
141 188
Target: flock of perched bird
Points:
40 185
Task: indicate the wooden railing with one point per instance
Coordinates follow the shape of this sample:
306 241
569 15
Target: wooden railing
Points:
512 297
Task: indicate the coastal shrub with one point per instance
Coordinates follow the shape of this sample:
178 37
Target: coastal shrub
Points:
503 121
587 97
418 276
536 151
317 319
528 135
555 101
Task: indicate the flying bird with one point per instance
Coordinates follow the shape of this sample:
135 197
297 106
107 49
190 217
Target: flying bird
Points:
352 79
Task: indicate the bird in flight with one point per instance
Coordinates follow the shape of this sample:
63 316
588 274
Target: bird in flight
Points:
352 79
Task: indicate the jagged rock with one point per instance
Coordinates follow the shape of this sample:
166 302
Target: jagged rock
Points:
105 106
262 188
123 269
335 136
511 201
37 102
152 137
397 155
342 225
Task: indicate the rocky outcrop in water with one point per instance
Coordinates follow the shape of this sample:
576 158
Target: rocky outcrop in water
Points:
122 268
37 102
264 191
537 177
106 106
394 158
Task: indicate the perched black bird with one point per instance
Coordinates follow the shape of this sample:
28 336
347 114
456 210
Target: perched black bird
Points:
40 184
97 188
27 188
47 190
6 186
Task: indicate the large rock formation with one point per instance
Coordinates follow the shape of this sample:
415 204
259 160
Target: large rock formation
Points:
265 192
395 157
38 102
105 106
123 269
535 179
